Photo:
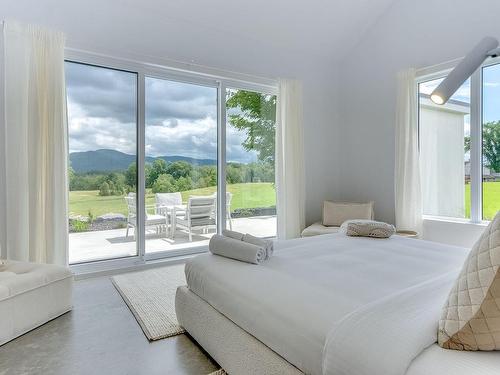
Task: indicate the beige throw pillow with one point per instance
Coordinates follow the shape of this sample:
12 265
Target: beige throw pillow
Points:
335 213
471 317
367 228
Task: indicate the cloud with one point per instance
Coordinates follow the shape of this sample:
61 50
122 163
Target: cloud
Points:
102 93
492 84
181 119
167 100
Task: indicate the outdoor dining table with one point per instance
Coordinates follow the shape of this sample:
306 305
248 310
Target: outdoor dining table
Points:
171 211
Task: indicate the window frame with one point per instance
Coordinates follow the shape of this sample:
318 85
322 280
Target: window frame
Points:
476 120
179 72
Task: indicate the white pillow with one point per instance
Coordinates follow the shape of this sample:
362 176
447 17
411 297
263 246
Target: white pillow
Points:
335 213
367 228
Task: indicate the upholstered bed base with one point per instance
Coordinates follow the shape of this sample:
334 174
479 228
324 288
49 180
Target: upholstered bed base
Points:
238 352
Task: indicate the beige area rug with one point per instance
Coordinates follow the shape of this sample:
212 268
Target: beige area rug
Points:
150 295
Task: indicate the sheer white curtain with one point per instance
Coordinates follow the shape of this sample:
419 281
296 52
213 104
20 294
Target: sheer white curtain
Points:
290 160
34 145
407 172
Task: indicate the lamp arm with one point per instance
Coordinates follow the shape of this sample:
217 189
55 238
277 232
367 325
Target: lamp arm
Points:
487 47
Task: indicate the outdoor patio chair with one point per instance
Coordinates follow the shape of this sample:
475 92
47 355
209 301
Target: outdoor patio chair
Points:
150 220
229 197
200 213
167 204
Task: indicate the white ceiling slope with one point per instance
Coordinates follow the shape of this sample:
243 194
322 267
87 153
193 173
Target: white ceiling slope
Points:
207 32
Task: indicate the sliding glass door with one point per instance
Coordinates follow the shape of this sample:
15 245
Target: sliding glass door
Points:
160 161
180 165
102 131
250 162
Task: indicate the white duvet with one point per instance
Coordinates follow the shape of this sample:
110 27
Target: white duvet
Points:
334 304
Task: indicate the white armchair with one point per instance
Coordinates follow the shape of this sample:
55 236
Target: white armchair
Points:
200 213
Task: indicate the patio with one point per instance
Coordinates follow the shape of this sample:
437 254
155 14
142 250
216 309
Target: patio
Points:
107 244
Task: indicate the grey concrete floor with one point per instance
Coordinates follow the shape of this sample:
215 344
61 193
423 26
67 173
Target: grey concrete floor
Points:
100 336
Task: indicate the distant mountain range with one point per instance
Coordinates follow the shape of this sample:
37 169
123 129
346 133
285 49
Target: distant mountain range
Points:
112 161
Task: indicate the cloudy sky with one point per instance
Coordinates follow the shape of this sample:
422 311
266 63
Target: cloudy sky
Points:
181 119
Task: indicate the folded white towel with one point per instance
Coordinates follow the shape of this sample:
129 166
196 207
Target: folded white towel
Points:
266 244
233 234
234 249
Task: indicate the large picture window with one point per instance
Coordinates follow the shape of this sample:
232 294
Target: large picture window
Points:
459 146
148 149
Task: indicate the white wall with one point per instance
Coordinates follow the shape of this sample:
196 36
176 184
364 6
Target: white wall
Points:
452 232
410 34
131 30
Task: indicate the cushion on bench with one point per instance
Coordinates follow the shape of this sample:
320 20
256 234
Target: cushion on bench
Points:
31 294
318 229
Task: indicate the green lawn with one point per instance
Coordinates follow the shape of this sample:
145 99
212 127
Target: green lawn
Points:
244 196
491 199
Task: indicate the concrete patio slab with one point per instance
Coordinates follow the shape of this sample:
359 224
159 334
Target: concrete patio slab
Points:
109 244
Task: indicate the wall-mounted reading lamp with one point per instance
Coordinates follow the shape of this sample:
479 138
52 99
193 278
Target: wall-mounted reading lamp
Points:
488 47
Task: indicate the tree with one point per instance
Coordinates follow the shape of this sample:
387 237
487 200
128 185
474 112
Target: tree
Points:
164 184
179 169
491 145
158 168
183 184
255 114
131 175
234 173
71 177
209 174
147 171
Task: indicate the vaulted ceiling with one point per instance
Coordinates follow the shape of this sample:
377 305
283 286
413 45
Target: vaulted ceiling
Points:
205 31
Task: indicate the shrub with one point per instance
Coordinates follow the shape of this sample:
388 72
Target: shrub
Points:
91 217
80 226
104 190
115 188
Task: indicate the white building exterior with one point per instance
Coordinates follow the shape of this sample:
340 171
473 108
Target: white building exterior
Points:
442 157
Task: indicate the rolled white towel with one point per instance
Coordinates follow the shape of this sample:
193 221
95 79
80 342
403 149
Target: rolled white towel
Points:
234 249
266 244
233 234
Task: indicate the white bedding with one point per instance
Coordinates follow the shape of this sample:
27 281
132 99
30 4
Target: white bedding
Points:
294 302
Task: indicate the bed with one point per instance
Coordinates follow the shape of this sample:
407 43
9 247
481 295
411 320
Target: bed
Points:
329 305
